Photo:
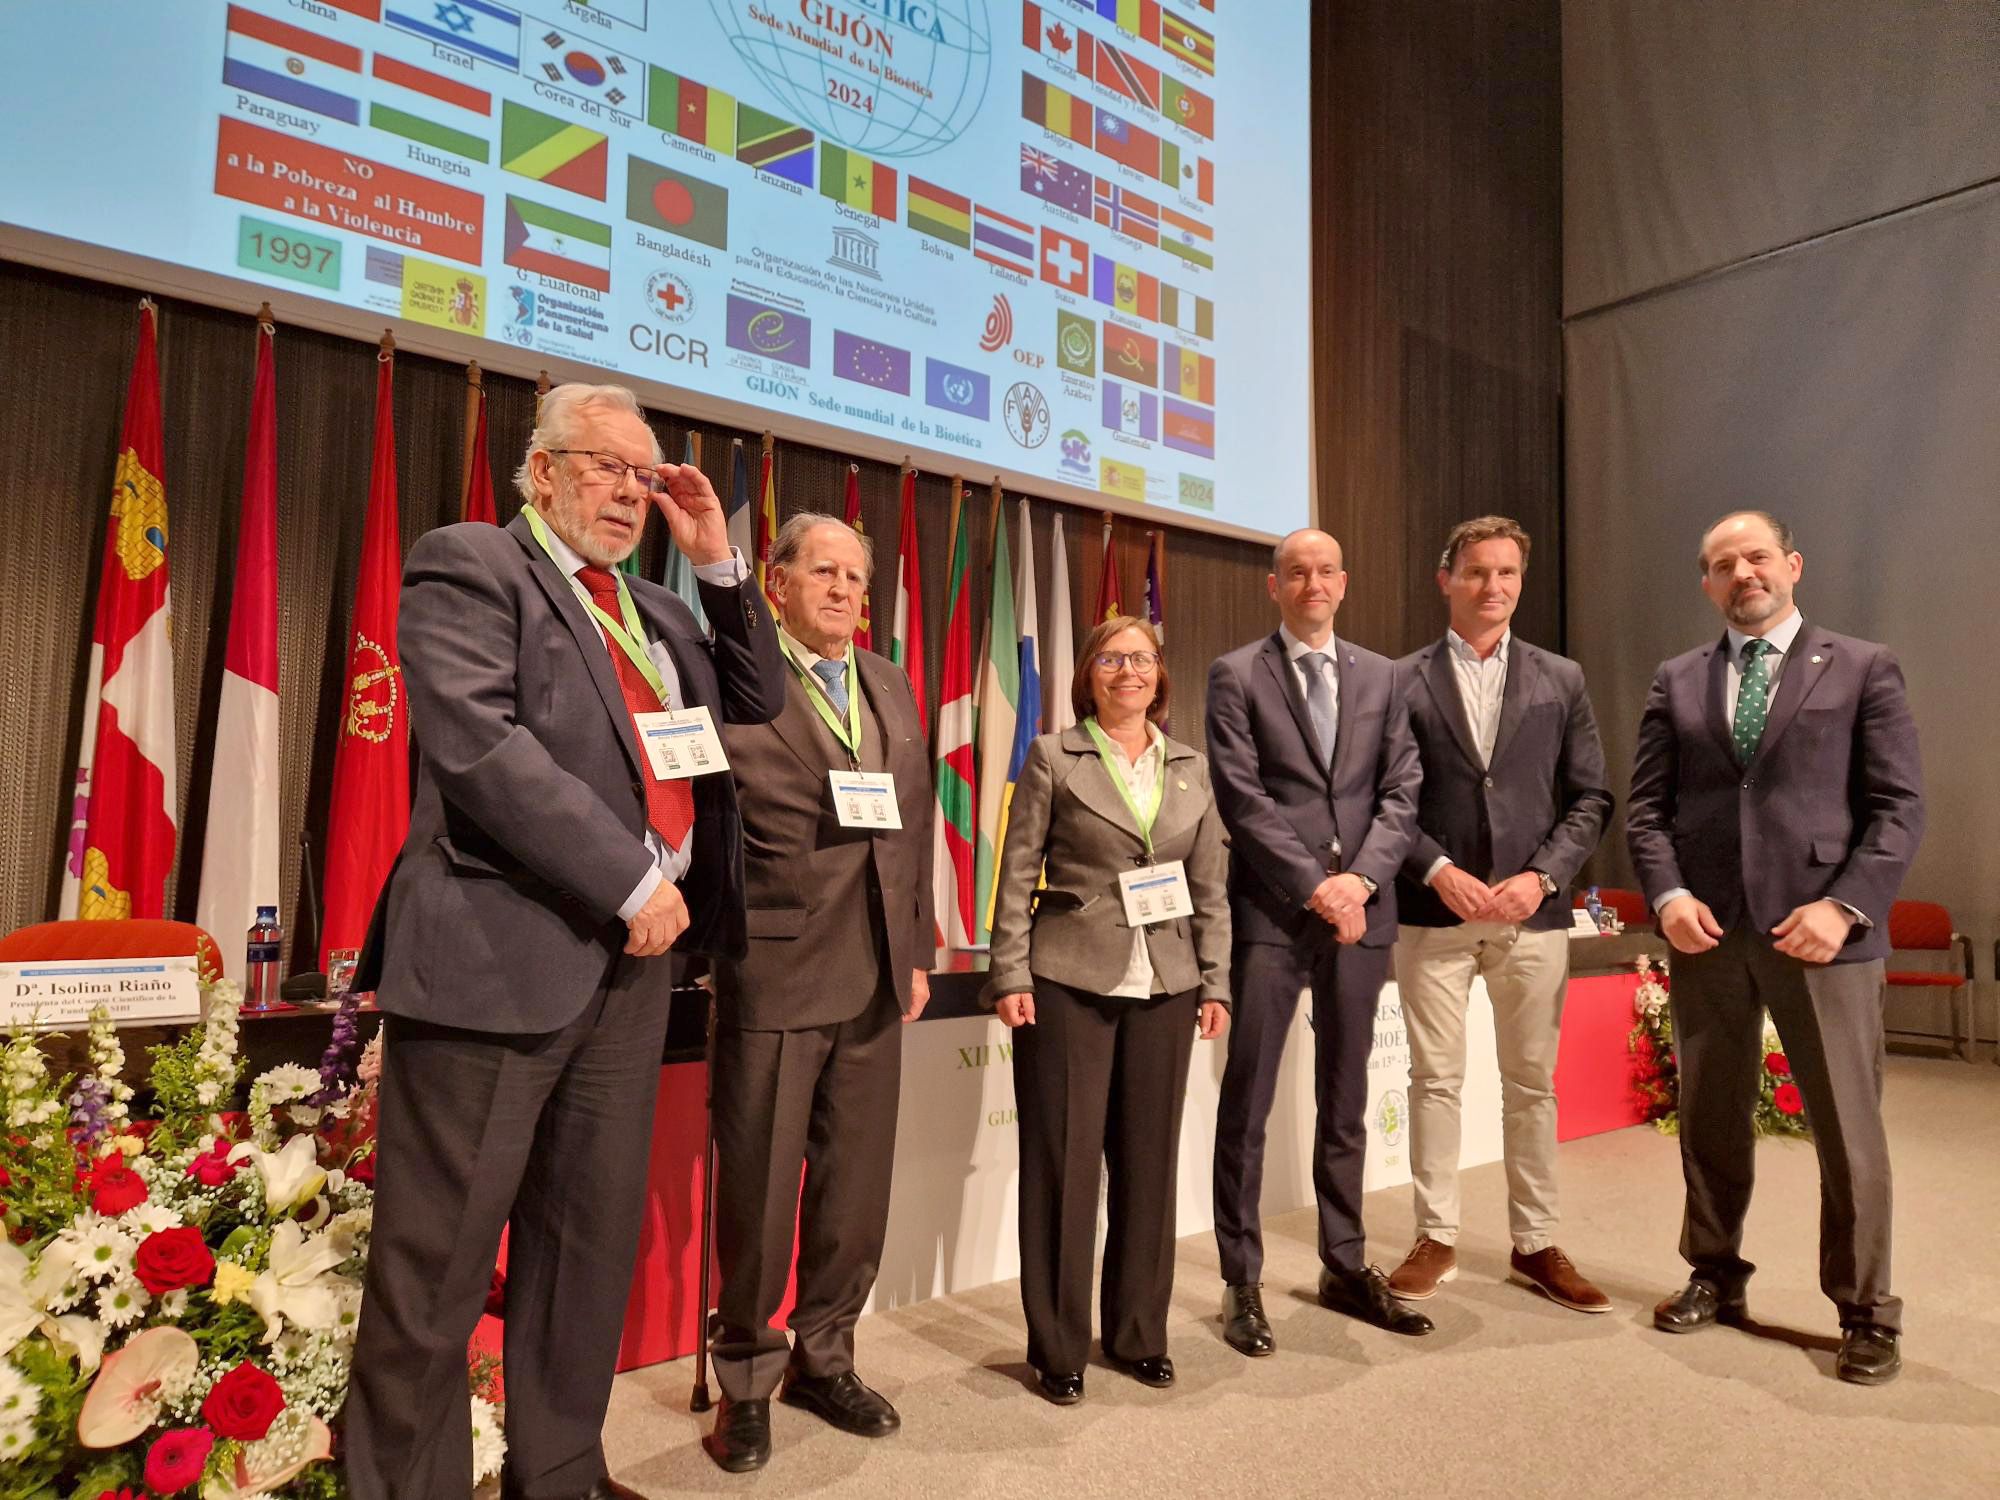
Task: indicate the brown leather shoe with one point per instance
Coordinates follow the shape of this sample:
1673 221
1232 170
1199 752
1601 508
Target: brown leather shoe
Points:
1551 1273
1429 1264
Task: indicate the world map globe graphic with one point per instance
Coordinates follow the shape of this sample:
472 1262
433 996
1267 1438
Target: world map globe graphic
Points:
891 78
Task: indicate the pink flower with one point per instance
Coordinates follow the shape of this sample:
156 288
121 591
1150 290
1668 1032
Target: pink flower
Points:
177 1458
212 1168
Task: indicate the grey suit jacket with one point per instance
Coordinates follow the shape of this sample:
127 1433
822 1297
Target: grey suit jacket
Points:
812 957
528 824
1540 805
1830 806
1291 819
1068 818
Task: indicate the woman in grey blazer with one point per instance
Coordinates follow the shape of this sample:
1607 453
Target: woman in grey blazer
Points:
1107 971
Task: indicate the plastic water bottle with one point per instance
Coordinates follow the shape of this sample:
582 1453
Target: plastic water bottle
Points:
260 961
1595 907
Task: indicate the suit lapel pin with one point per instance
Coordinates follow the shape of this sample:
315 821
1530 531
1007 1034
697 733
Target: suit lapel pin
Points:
1817 660
1181 784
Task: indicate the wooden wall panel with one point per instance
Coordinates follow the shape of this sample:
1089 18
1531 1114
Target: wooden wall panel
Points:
1437 269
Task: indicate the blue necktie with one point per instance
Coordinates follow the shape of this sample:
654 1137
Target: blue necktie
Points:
1319 703
833 674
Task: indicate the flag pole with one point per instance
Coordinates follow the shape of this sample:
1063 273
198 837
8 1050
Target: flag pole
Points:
474 394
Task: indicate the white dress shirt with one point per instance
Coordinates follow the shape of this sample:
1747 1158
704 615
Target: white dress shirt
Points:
1482 687
1141 777
668 864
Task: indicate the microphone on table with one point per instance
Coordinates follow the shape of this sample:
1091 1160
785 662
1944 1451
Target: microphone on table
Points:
309 985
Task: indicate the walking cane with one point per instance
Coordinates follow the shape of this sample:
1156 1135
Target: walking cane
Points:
699 1400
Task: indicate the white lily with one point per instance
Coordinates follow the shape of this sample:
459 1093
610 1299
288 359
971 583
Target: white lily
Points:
296 1288
80 1337
291 1174
54 1269
18 1312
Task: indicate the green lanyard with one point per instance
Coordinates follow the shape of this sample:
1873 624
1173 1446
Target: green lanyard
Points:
1143 816
849 734
629 634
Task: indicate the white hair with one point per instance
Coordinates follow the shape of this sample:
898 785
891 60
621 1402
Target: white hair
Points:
791 538
561 414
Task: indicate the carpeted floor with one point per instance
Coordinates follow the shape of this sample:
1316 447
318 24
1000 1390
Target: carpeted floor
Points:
1510 1397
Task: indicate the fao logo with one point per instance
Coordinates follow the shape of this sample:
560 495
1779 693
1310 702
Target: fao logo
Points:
1027 413
670 297
1392 1118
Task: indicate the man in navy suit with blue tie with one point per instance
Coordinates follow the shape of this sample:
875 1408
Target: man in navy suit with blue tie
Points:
1316 775
1776 806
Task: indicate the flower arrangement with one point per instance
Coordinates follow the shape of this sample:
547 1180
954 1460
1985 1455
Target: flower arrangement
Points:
1781 1108
179 1295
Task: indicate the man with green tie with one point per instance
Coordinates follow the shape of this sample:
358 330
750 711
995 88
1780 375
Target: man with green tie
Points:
1776 806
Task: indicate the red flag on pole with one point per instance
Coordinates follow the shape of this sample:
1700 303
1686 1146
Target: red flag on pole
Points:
767 517
1110 597
478 504
240 850
906 641
370 813
127 796
864 634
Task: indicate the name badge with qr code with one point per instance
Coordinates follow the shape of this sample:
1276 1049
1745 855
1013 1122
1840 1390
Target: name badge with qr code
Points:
681 743
1157 893
865 799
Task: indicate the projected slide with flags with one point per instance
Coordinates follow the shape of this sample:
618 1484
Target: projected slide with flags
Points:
1062 240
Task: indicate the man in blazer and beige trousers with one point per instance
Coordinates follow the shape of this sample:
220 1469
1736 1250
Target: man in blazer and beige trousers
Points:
808 1037
1316 776
1513 802
1776 806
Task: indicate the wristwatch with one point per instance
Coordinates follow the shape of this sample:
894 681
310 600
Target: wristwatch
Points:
1366 884
1549 886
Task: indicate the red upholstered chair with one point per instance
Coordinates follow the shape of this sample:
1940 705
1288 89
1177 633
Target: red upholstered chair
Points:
1630 905
137 937
1925 927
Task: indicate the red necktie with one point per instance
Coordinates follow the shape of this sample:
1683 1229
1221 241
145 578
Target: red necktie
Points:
669 804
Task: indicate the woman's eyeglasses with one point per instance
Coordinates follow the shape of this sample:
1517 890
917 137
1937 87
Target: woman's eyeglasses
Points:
1142 661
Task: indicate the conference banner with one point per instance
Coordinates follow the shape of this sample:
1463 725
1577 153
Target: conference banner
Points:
1064 240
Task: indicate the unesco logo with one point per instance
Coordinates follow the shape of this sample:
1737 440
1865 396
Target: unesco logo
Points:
1026 410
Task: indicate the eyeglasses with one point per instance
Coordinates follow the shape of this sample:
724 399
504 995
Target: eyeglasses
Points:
612 469
1142 661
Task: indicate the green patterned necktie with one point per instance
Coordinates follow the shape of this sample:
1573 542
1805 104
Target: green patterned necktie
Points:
1753 698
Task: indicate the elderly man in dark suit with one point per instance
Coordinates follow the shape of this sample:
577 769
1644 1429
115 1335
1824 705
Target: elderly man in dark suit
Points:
808 1037
1776 806
527 941
1513 802
1316 776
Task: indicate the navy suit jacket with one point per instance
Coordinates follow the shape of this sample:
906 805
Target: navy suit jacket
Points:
1831 805
1291 818
1540 805
527 829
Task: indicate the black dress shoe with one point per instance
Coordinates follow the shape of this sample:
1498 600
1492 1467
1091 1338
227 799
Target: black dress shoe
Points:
742 1437
1869 1356
842 1400
608 1488
1699 1304
1063 1387
1244 1326
1365 1295
1157 1371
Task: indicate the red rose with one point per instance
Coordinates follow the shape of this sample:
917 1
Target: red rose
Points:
212 1168
173 1258
243 1403
115 1187
177 1458
496 1295
6 1178
1788 1099
1777 1065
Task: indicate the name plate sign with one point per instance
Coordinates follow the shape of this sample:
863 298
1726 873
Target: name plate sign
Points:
56 993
